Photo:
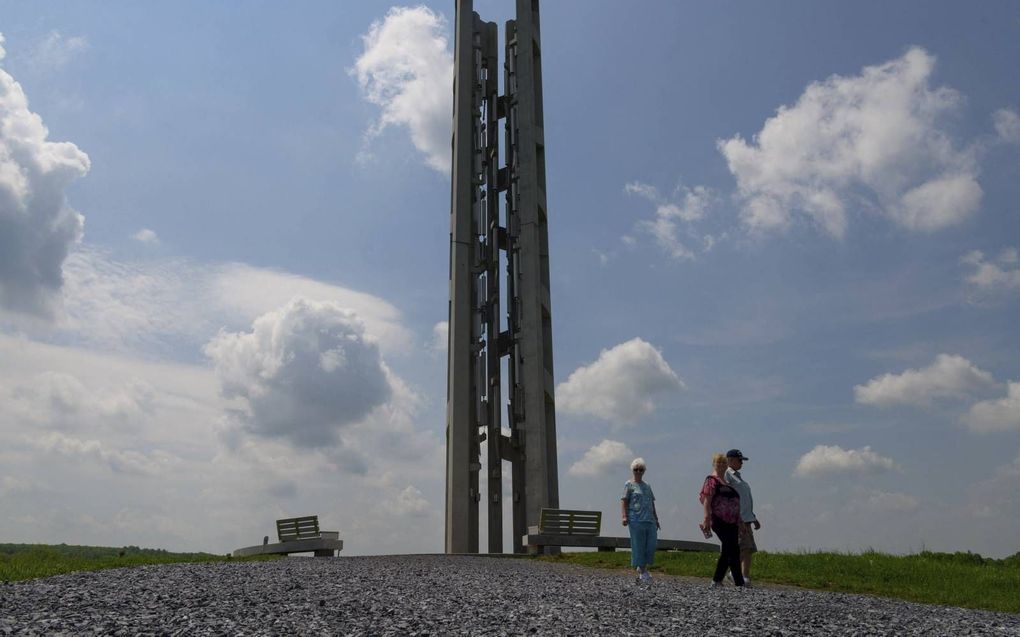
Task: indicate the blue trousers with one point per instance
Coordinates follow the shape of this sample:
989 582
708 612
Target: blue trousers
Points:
643 538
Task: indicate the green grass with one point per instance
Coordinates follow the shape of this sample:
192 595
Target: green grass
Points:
954 579
29 561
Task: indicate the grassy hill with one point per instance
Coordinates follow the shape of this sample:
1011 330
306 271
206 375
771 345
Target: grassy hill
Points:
27 561
955 579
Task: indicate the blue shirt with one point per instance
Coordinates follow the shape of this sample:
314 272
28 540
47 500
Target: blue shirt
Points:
640 501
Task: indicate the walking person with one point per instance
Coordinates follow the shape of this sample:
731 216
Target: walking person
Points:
722 515
637 506
745 534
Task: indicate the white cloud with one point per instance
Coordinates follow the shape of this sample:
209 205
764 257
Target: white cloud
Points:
409 503
824 459
1002 414
1007 125
674 215
60 400
888 502
37 226
440 336
146 235
999 276
56 50
304 372
947 377
876 135
939 202
607 456
119 461
407 70
77 423
620 385
158 305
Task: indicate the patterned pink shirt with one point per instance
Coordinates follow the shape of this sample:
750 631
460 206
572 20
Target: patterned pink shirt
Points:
725 499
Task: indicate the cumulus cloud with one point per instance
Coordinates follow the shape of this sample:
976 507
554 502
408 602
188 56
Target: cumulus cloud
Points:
673 216
620 386
874 138
406 69
146 236
1007 125
303 372
1002 414
824 459
947 377
999 275
61 400
120 461
607 456
212 497
37 226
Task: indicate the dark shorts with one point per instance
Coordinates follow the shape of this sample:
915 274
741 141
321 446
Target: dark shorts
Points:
746 539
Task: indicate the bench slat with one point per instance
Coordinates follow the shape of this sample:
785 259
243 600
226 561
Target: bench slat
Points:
567 512
302 528
570 522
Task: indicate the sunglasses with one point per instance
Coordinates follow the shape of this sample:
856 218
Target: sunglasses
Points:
639 470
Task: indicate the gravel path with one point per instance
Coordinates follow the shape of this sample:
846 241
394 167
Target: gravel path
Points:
439 595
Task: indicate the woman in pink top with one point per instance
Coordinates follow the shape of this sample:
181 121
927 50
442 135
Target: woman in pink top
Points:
722 515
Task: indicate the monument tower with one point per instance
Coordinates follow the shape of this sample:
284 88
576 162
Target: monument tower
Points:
499 257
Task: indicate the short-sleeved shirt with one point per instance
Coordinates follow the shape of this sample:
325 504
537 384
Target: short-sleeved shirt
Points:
735 480
640 501
725 499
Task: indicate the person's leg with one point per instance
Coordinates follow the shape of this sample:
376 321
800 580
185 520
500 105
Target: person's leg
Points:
729 555
647 550
720 566
747 549
651 542
637 555
731 547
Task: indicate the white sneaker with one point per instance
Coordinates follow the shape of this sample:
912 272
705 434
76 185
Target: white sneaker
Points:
716 585
747 582
646 577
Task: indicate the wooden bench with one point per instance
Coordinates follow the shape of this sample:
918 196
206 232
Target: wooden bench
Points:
298 535
562 527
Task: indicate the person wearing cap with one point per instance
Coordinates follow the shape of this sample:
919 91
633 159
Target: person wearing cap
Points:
637 507
735 459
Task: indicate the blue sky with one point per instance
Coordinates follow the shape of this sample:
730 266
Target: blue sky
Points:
788 227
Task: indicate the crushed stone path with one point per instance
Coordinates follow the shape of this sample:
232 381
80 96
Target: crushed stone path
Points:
448 595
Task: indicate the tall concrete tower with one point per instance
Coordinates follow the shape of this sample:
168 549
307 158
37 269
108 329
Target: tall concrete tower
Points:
499 256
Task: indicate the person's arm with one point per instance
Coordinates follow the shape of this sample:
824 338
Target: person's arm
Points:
656 514
623 510
706 500
756 523
708 511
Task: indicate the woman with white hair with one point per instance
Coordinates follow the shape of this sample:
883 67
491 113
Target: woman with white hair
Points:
638 509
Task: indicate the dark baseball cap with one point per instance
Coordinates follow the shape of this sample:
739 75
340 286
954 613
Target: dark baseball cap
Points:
735 453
